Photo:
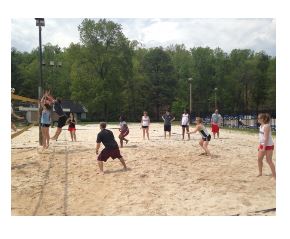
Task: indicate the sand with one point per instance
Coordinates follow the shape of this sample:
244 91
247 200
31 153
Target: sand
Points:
165 177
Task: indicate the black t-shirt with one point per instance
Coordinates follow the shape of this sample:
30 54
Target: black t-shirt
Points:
107 138
167 119
58 109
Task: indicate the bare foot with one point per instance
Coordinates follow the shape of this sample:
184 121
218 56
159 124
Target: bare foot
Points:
127 141
101 173
259 175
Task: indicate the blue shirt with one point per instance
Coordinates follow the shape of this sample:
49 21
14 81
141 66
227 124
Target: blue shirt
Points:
45 117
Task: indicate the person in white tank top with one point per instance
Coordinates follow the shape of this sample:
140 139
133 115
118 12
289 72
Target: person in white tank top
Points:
145 122
185 123
266 146
205 136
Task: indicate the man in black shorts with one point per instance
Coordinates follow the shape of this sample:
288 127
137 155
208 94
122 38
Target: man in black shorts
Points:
61 117
111 147
168 118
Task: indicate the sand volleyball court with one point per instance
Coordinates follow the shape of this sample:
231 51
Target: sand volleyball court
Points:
166 177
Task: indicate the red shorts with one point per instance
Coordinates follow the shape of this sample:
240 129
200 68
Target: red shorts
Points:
124 133
267 147
71 129
215 128
107 153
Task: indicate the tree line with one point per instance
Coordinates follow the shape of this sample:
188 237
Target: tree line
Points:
112 75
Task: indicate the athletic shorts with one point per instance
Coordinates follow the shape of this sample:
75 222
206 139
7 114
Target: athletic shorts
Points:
71 129
267 147
206 138
61 121
185 126
215 128
167 128
145 127
107 153
124 133
45 125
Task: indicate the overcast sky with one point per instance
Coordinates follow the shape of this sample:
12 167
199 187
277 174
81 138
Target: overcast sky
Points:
228 34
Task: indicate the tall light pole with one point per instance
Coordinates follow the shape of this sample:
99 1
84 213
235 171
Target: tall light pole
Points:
190 103
215 100
40 23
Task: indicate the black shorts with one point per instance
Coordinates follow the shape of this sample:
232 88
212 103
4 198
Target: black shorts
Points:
107 153
144 127
185 126
45 125
167 128
206 138
61 121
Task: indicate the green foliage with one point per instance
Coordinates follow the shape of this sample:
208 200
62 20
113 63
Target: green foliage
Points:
111 75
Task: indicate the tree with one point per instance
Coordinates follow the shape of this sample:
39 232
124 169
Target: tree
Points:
159 71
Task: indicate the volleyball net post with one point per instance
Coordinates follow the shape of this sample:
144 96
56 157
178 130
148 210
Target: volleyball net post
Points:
26 99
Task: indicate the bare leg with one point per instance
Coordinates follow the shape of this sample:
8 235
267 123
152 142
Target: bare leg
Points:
261 155
205 144
57 133
75 136
218 134
47 136
123 163
164 134
126 140
43 137
187 130
100 163
169 134
71 135
183 132
147 132
121 140
13 126
269 154
201 145
143 133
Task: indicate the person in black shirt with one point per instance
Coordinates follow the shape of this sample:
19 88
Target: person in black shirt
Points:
71 121
61 115
168 118
111 147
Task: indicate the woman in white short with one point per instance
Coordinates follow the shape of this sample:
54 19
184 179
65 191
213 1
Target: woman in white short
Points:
185 123
145 122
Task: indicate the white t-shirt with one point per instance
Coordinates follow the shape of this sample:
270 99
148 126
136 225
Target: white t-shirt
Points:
185 119
262 136
145 120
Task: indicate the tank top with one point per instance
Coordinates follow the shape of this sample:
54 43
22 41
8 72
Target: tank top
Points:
185 119
45 117
203 132
262 136
72 123
145 120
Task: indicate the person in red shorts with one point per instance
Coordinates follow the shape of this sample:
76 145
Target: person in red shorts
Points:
124 131
111 147
72 126
266 146
216 119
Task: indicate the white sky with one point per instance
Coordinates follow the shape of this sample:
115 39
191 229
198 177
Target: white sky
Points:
258 34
